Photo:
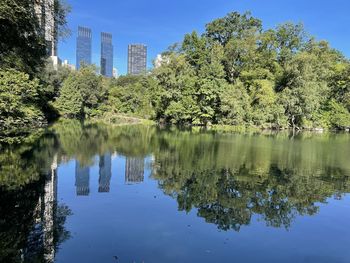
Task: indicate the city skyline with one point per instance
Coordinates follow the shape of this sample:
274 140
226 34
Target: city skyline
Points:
134 173
160 25
137 54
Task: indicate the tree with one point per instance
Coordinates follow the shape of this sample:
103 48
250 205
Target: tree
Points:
131 95
233 25
340 84
82 92
22 41
337 115
177 81
235 105
22 46
19 102
70 102
290 38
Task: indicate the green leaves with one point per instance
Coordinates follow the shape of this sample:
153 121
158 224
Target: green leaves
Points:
18 102
236 73
22 47
81 92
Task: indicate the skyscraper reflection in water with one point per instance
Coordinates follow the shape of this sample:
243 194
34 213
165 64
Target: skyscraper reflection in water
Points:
105 166
82 179
134 170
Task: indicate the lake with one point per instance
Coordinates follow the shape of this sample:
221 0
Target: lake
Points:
96 193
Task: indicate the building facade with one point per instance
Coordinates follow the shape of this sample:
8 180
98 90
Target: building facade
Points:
137 59
106 55
84 44
45 11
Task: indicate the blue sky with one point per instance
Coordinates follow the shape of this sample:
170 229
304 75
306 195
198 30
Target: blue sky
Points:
160 23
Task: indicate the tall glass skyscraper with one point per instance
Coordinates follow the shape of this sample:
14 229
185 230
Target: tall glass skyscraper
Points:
84 43
137 59
106 55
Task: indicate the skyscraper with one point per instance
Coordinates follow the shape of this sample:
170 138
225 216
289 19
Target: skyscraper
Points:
134 170
137 59
45 11
106 55
84 43
105 173
82 179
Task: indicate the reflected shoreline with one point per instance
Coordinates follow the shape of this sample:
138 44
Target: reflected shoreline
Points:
226 178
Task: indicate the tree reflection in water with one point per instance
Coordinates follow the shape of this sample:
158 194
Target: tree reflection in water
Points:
228 179
31 221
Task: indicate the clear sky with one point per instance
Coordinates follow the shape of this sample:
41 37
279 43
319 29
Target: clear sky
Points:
160 23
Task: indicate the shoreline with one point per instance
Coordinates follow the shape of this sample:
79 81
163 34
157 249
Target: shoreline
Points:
124 120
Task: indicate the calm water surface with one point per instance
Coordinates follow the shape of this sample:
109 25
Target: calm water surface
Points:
93 193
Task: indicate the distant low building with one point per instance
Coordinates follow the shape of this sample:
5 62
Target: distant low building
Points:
66 64
115 73
56 62
160 60
137 59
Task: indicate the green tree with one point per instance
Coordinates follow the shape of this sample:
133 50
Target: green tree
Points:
22 43
81 93
22 47
19 102
235 105
233 25
131 95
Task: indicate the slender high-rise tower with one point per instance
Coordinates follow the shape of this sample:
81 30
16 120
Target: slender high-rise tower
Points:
137 59
84 43
45 11
82 179
106 55
105 173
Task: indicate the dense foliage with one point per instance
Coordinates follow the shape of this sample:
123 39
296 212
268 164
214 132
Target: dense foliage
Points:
28 83
22 47
19 98
236 73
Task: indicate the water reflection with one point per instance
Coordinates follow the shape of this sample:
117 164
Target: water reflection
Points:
134 170
134 174
227 179
32 221
82 179
105 173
